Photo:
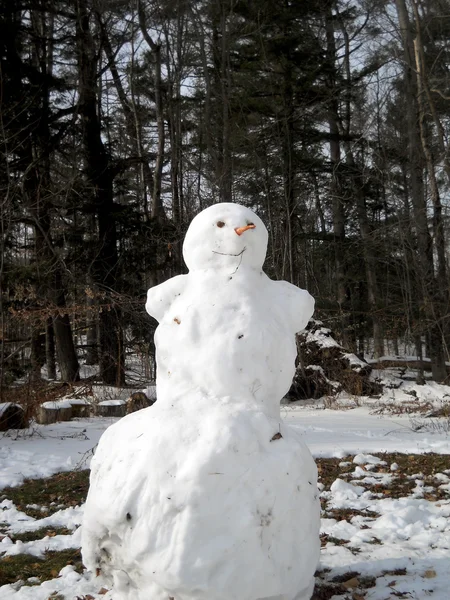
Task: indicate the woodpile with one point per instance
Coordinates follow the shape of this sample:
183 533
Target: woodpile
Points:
138 401
325 368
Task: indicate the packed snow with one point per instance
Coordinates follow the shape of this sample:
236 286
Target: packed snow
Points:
193 498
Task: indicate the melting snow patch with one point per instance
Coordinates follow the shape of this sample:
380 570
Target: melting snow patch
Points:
368 459
342 491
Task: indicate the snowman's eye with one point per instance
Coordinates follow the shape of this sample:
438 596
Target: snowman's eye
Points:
220 224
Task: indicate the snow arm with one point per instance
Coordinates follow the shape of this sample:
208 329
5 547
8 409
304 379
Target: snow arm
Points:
160 297
298 303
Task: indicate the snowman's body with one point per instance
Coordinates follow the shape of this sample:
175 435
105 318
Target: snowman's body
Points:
206 495
217 340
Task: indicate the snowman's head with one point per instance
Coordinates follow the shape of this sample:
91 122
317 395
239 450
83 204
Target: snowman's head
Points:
225 235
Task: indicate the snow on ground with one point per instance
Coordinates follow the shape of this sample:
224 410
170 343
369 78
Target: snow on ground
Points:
48 543
402 542
69 585
44 450
332 433
47 449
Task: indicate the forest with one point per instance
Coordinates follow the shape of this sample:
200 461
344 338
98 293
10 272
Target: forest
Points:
120 121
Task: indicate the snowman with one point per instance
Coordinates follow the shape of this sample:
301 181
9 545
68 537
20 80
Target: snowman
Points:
207 495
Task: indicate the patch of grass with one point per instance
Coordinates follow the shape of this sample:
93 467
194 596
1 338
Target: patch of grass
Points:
347 514
336 587
325 539
396 572
39 534
376 541
429 464
329 469
326 591
69 489
23 566
400 486
367 581
411 464
345 577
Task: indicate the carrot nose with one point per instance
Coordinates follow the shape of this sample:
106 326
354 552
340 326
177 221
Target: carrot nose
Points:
240 230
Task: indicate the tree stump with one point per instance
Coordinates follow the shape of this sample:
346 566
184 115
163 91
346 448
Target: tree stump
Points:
52 412
111 408
80 408
12 416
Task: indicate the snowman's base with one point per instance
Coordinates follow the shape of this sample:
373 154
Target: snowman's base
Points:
154 592
303 595
158 594
222 507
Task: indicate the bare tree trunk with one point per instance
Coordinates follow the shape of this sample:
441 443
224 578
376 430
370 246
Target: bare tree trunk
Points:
99 175
132 121
318 205
427 281
38 188
50 350
37 354
53 289
438 226
357 180
173 68
92 334
437 334
420 379
348 338
225 85
156 53
424 83
92 341
287 136
207 113
221 92
409 279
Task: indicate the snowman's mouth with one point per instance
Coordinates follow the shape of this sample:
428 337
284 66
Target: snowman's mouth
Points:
229 254
236 255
